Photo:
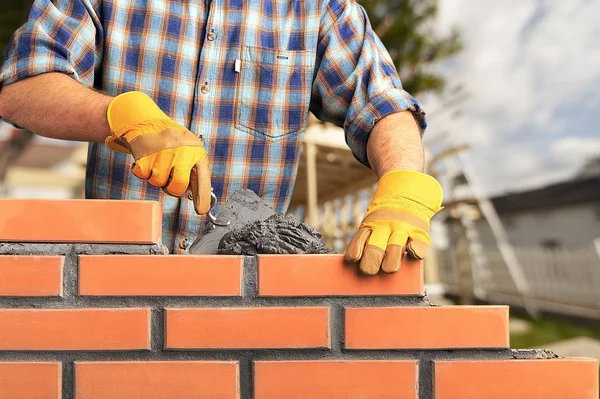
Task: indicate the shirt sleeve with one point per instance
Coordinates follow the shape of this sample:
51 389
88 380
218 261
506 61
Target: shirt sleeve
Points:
59 36
356 83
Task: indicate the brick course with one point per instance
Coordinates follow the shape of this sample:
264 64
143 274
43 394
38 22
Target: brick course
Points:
446 327
327 275
156 380
332 379
31 275
74 329
31 380
243 328
81 317
146 275
518 379
89 221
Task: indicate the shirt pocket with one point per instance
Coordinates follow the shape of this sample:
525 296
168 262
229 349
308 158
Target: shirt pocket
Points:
274 92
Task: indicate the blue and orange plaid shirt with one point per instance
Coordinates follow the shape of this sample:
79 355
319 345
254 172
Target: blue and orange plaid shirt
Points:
243 74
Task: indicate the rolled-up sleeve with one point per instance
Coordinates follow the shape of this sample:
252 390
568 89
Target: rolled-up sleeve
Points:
356 83
59 36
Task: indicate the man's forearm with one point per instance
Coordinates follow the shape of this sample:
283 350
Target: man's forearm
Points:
395 143
56 106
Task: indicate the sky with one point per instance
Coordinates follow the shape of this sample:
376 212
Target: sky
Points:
531 71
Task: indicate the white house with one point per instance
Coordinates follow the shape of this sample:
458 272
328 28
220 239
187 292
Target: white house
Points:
563 215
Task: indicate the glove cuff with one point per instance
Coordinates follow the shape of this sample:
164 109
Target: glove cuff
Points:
416 186
131 109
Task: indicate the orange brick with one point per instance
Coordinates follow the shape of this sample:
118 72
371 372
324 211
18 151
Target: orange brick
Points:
37 380
516 379
182 275
336 379
31 275
328 275
301 327
427 327
74 329
156 380
88 221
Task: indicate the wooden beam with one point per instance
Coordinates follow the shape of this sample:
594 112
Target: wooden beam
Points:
326 136
454 202
311 183
352 188
448 152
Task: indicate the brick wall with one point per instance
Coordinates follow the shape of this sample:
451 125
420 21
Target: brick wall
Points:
91 306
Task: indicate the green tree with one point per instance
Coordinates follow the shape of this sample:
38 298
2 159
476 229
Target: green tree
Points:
13 13
407 29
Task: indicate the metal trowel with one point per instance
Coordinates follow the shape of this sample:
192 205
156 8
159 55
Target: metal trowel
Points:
243 207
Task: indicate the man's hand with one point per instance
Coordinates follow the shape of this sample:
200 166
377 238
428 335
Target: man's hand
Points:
397 221
166 154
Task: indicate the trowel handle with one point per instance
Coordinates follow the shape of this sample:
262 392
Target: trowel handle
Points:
211 217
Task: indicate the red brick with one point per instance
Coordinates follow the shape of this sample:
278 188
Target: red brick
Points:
181 275
516 379
39 380
88 221
301 327
427 327
336 379
156 380
31 275
328 275
74 329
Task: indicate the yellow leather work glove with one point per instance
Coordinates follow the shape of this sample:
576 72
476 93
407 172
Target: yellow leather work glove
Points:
397 221
166 154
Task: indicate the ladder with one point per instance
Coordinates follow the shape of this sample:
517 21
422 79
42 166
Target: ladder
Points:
480 269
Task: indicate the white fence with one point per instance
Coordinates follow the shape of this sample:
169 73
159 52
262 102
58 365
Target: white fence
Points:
563 281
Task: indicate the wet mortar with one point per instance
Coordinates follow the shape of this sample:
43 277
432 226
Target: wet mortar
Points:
255 228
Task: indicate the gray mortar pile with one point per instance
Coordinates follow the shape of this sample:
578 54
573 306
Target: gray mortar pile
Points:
246 225
249 298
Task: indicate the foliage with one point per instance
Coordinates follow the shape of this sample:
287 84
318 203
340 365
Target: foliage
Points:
407 29
13 13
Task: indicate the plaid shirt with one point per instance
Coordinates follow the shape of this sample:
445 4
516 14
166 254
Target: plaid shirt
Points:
242 73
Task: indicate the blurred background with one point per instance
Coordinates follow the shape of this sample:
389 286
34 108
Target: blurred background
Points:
511 90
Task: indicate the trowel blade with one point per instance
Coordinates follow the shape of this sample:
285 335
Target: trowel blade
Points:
242 207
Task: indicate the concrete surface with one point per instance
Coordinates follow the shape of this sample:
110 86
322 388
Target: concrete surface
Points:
576 347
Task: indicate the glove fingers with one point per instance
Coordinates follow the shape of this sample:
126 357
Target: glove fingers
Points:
356 247
179 181
142 169
417 248
371 260
201 185
374 251
159 177
394 252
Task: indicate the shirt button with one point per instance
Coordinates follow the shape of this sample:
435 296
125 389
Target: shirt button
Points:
190 196
204 89
212 36
183 244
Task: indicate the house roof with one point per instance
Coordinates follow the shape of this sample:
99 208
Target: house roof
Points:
575 191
